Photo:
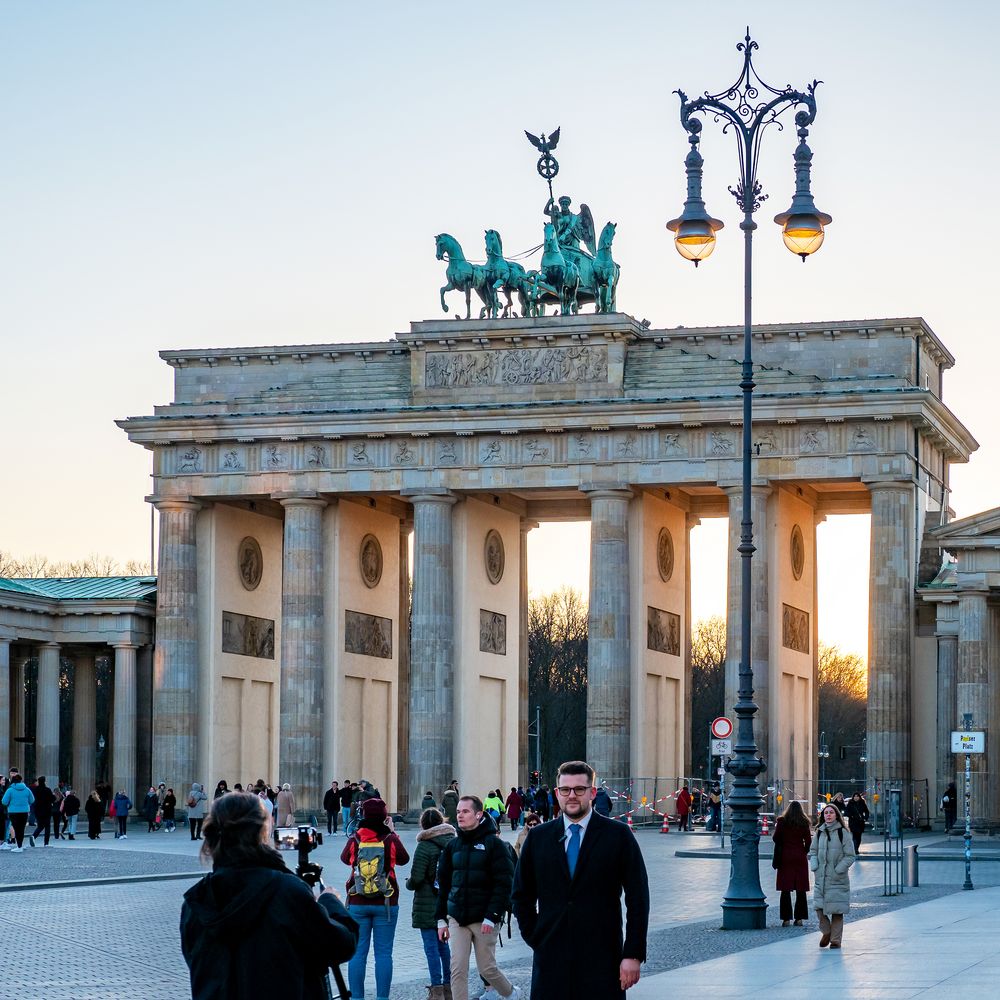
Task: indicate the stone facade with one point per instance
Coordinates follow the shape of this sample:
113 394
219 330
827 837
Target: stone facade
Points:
466 428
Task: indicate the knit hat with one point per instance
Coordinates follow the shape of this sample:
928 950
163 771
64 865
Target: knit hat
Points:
374 810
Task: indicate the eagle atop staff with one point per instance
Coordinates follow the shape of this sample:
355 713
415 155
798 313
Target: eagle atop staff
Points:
543 145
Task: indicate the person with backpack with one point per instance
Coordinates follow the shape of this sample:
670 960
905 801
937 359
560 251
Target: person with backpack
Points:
373 851
475 875
433 837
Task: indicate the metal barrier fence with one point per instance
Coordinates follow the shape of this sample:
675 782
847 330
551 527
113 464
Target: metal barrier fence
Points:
647 800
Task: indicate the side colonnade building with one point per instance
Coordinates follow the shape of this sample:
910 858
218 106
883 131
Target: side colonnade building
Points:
292 484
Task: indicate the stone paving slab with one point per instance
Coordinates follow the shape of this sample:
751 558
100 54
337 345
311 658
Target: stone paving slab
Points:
88 934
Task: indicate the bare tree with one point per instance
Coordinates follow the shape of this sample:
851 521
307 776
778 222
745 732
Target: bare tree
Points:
843 703
708 685
557 675
35 567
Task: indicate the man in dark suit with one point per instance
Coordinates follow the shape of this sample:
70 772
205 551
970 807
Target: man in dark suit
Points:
567 896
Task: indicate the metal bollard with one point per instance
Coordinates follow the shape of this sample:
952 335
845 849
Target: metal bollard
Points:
911 875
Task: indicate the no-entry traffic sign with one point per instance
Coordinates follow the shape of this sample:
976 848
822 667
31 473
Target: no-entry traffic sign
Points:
722 728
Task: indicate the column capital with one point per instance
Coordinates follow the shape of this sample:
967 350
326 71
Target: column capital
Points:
758 489
429 495
299 499
174 503
900 485
613 491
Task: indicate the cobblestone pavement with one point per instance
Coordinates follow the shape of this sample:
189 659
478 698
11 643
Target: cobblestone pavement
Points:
120 941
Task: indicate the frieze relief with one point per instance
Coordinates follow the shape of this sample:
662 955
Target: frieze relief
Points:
492 632
246 635
527 366
368 635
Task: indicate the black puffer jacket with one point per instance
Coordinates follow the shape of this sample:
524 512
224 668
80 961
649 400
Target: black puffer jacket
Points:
475 875
234 916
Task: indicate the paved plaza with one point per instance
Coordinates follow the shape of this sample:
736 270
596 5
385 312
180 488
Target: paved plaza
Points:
112 932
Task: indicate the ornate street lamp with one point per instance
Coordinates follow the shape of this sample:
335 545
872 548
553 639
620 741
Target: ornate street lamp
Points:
747 108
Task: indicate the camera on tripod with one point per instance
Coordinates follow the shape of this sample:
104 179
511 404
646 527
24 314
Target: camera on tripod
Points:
304 839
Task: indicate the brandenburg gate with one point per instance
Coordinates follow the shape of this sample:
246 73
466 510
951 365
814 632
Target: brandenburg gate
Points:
289 481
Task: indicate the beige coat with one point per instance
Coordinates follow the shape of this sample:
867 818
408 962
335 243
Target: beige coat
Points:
286 808
830 858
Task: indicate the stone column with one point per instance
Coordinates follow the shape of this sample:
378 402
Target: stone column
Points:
123 743
17 715
432 647
760 623
4 693
84 725
300 737
523 751
890 630
47 718
403 683
946 632
972 692
609 716
175 656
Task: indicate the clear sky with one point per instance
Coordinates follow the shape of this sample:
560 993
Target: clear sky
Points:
222 174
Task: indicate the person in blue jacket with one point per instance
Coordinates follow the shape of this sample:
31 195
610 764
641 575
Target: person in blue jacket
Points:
18 801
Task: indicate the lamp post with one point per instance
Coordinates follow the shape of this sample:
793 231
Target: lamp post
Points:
747 109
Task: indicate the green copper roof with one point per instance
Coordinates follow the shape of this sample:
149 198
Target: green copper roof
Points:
86 588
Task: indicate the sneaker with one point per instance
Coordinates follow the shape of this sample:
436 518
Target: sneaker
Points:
31 840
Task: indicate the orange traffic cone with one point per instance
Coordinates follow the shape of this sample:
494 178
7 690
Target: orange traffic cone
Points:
763 826
666 824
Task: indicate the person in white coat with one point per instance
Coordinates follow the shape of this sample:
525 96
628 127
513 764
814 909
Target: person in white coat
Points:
830 858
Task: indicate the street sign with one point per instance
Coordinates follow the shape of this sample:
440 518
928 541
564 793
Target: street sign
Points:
722 728
722 748
966 742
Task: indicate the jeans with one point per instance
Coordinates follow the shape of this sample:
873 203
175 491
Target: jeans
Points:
438 956
374 923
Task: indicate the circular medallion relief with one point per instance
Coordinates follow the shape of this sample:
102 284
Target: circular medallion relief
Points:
665 555
493 555
370 560
798 552
250 562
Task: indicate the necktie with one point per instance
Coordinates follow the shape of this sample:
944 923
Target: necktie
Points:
573 850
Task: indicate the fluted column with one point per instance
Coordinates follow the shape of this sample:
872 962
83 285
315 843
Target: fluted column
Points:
175 657
609 716
47 718
432 647
84 725
890 630
17 715
946 631
972 691
760 622
4 693
522 657
403 683
300 737
123 743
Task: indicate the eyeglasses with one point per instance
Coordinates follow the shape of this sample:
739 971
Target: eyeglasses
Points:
577 790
